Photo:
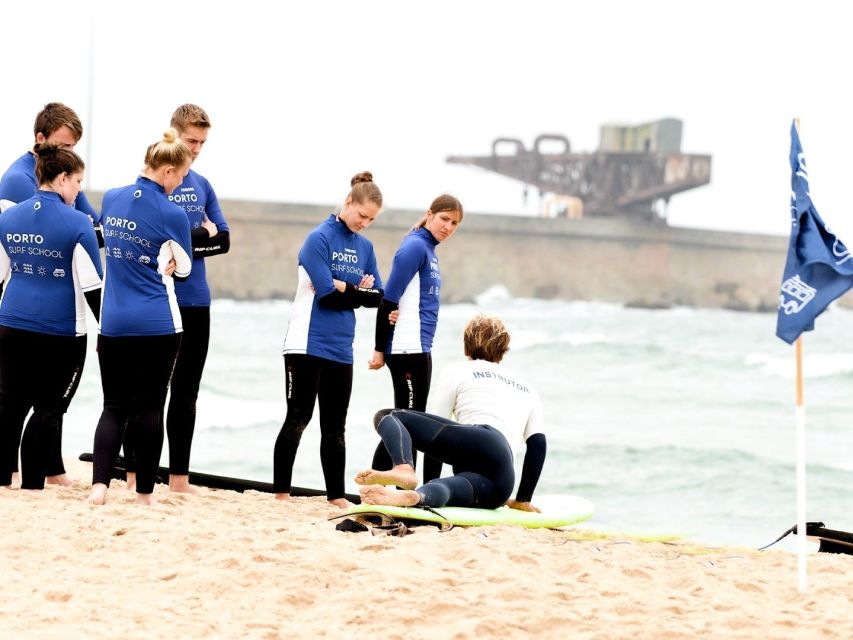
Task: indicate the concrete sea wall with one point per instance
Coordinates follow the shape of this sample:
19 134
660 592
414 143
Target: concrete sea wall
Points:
613 260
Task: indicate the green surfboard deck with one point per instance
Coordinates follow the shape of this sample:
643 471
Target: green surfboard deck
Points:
571 510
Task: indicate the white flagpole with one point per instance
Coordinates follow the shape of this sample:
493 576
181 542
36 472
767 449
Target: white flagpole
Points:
800 420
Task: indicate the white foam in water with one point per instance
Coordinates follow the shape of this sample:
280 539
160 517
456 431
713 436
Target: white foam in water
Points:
493 294
815 365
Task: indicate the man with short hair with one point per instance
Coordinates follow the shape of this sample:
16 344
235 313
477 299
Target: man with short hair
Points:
57 124
210 237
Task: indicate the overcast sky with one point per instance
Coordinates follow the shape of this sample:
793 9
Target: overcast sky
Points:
304 95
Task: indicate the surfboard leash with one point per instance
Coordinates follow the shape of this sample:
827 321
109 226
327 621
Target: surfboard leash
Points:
789 532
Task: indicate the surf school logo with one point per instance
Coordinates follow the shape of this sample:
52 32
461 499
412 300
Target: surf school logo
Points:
840 251
799 295
59 273
144 259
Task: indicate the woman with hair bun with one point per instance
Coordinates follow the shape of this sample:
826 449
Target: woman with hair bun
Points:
412 291
147 240
337 272
49 254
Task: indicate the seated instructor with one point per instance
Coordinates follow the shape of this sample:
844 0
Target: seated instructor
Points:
495 410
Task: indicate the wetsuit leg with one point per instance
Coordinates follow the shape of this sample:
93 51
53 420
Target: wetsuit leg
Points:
48 394
334 395
135 373
149 402
55 465
411 374
302 380
117 385
15 397
481 458
180 419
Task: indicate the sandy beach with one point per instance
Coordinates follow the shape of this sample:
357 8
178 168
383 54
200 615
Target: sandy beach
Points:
227 565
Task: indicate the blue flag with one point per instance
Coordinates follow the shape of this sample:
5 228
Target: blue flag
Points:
819 268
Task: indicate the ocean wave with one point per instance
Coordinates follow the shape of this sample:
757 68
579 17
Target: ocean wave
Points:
815 365
217 412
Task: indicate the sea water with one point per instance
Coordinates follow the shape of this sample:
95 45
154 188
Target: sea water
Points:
676 421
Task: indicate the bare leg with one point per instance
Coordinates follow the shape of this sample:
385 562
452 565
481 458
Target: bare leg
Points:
131 480
401 475
377 494
145 498
181 484
340 503
62 479
282 496
98 494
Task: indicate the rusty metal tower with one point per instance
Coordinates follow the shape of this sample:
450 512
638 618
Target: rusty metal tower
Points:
634 172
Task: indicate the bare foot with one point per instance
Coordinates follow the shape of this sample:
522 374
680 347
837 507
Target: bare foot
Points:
16 480
62 480
340 503
145 498
402 475
99 493
131 480
282 496
377 494
181 484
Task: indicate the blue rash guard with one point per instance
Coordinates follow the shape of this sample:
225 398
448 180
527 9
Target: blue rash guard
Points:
331 251
19 184
50 254
197 198
142 232
414 284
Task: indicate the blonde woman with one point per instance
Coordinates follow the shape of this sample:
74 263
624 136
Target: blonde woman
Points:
147 243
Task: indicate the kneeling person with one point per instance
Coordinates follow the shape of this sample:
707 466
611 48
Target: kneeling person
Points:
495 411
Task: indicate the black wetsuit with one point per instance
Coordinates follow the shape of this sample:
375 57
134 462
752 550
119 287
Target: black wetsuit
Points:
135 372
481 458
309 378
410 374
37 371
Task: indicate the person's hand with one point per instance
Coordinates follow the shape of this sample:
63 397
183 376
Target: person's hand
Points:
393 316
377 361
367 281
170 268
522 506
211 228
340 285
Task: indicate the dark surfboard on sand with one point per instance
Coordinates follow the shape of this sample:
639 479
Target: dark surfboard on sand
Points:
220 482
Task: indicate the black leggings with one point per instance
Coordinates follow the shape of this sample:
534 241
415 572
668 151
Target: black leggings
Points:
55 465
180 418
481 458
307 379
411 374
135 373
38 371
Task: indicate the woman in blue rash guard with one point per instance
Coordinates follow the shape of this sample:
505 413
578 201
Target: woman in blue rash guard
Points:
210 237
413 290
49 253
495 410
337 273
59 125
147 239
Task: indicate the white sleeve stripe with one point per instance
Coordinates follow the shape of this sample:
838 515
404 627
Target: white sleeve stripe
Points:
5 204
183 262
5 264
87 273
